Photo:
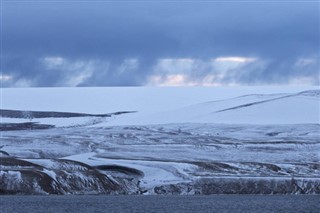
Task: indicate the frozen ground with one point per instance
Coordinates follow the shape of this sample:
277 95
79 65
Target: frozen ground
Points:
193 143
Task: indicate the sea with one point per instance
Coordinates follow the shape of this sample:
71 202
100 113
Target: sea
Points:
159 203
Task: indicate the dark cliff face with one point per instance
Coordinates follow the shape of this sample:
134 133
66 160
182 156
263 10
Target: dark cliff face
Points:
61 176
242 185
57 177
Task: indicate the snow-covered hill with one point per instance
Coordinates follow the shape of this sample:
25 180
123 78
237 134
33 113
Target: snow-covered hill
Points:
286 108
112 99
160 140
161 106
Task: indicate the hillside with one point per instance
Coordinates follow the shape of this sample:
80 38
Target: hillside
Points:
159 141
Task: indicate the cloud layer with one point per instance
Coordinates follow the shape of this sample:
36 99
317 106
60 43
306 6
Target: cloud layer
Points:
159 43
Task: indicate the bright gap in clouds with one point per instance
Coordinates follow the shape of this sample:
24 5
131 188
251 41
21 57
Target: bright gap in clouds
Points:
180 80
235 59
5 77
196 72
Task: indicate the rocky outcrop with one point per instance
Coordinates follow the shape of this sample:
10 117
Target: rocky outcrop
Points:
58 177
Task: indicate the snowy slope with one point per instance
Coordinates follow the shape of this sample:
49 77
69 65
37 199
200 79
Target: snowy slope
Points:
175 154
113 99
180 141
288 110
252 109
166 105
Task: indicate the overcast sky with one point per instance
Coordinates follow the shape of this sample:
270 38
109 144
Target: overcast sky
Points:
144 43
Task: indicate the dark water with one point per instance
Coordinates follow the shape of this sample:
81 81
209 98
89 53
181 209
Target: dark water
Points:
215 203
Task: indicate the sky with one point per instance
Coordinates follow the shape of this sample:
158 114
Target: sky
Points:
159 43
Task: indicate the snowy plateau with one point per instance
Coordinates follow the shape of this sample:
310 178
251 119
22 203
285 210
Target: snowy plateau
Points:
153 140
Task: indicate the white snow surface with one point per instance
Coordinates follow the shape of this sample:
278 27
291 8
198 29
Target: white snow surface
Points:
251 109
111 99
247 105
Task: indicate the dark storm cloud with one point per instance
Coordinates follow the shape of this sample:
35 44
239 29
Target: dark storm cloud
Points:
100 39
